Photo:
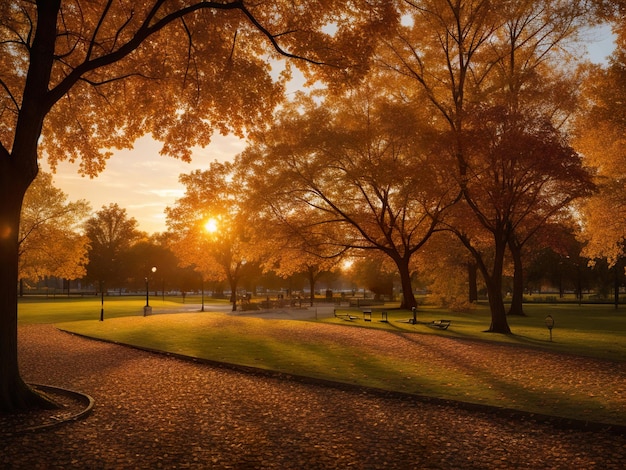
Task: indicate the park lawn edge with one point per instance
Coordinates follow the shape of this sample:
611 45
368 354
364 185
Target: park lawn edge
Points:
430 391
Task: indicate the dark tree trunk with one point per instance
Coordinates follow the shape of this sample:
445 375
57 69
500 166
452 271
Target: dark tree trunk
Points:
312 286
232 281
408 299
499 323
493 279
17 171
616 284
517 302
14 393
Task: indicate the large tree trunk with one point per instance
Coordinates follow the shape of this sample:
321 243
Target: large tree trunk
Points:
493 280
517 302
499 323
14 393
17 171
408 299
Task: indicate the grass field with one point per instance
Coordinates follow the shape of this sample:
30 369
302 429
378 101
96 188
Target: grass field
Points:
589 330
597 331
61 308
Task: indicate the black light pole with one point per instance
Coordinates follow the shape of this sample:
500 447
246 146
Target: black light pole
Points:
147 292
146 309
101 300
202 309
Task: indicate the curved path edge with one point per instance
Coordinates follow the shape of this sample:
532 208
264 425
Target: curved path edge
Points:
86 400
556 421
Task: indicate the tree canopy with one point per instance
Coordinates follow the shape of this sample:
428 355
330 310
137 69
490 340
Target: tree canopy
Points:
601 137
208 226
362 163
111 235
50 242
477 59
460 122
78 78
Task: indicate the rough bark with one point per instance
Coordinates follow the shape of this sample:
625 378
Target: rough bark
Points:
499 323
517 302
15 394
18 169
408 299
493 280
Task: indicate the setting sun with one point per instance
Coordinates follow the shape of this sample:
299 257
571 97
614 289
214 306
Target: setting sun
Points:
211 225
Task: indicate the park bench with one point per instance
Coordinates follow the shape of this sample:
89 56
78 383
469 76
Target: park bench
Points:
367 315
345 316
441 324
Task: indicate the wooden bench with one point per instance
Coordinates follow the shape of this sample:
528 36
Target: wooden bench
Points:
441 324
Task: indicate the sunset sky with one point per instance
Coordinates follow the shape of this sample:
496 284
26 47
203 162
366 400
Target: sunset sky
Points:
145 183
140 180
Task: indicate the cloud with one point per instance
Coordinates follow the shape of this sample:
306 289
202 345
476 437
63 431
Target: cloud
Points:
141 180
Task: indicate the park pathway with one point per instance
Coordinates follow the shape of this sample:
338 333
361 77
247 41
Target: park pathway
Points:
154 411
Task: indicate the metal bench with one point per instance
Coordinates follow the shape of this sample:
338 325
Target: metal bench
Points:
344 316
441 324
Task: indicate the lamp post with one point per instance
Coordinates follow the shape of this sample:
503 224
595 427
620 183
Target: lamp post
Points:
147 310
202 309
550 324
101 300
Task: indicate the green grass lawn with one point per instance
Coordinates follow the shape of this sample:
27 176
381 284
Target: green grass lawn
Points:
60 309
588 330
282 345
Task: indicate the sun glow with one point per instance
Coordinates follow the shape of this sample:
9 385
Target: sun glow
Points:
211 225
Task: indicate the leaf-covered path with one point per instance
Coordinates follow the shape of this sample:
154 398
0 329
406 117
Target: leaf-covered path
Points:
159 412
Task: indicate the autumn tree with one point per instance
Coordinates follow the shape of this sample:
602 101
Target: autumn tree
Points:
524 175
479 63
449 272
50 243
111 234
601 137
208 227
555 258
79 78
155 251
352 173
375 272
282 250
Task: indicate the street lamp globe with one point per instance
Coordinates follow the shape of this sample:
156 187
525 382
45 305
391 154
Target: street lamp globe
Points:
146 309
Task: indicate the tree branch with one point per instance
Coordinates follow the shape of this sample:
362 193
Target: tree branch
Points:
146 30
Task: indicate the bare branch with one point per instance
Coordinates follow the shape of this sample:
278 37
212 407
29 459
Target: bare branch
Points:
97 29
6 88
